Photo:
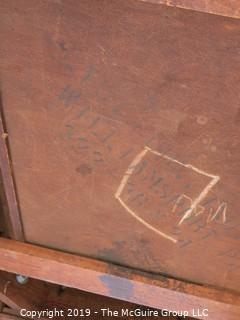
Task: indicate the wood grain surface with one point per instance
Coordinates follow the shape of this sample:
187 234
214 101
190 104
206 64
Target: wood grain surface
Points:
123 126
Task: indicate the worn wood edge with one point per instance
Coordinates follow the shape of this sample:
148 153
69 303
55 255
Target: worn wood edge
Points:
16 228
116 282
200 6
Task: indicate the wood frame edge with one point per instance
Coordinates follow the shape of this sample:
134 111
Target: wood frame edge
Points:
117 282
14 218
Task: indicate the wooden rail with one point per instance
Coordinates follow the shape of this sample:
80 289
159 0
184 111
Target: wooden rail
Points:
117 282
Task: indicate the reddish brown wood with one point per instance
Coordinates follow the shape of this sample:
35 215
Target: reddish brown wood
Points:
86 86
220 7
71 298
59 298
18 296
117 282
15 224
5 221
4 316
11 312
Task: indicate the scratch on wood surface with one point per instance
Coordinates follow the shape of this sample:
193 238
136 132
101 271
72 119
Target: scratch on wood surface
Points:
194 203
123 183
196 212
205 191
201 196
129 171
222 208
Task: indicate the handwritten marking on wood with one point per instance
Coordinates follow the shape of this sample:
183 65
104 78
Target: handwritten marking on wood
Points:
195 204
99 134
221 209
199 209
123 183
183 196
205 191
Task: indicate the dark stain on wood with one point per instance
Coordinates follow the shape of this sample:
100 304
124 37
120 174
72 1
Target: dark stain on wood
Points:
84 169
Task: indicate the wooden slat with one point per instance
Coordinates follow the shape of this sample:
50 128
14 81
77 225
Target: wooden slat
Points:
117 282
4 316
15 224
76 299
12 314
68 298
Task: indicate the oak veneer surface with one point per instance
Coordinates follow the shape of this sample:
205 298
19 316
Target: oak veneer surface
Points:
123 126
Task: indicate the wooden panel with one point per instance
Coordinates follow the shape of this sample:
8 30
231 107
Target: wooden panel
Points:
116 282
123 126
221 7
